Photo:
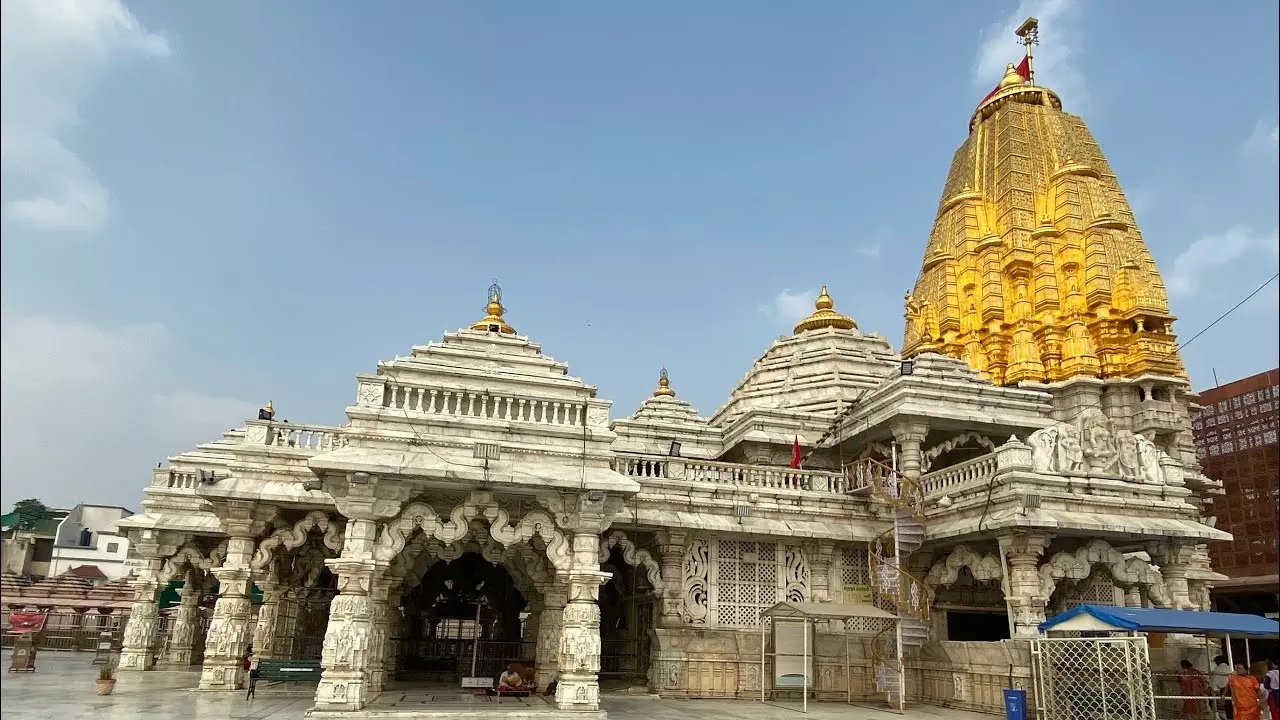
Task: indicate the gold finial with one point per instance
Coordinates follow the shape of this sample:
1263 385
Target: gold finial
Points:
824 315
492 320
1011 77
664 386
268 407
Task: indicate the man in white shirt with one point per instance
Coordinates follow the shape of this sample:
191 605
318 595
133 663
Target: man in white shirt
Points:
1218 684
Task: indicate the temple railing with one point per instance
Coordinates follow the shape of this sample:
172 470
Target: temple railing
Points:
977 470
773 477
425 400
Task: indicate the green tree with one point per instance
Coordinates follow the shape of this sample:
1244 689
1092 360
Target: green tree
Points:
31 511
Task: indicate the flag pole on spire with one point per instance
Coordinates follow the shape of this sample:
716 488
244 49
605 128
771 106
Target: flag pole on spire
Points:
1029 32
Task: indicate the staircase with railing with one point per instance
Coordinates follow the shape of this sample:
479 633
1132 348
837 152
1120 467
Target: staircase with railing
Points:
894 589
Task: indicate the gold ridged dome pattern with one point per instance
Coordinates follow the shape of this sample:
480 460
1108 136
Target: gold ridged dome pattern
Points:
1034 269
664 386
492 320
824 316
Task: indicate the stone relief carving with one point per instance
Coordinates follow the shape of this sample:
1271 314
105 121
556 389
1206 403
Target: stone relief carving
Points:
597 415
796 574
695 584
370 394
1094 447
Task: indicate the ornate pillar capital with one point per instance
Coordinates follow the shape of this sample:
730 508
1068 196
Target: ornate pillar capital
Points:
1022 588
909 431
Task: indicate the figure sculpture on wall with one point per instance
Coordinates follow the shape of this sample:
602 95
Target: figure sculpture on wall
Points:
1094 448
1099 441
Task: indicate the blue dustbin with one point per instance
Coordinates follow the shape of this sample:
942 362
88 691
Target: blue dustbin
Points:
1015 704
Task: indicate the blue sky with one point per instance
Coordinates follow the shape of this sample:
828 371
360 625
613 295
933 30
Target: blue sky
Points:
208 205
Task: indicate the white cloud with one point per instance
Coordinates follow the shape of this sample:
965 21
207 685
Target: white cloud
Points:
1195 263
869 249
790 307
1053 59
87 411
51 52
1264 140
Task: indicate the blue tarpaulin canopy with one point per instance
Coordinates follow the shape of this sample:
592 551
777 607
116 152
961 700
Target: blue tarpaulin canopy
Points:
1101 618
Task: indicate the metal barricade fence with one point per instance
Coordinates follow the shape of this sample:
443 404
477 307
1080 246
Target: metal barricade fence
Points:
1101 678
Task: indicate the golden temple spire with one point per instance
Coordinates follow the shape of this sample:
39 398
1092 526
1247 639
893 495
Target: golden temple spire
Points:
824 316
492 320
1010 281
664 386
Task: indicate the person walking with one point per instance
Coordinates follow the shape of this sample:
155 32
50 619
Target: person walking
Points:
1192 686
1245 692
251 667
1271 690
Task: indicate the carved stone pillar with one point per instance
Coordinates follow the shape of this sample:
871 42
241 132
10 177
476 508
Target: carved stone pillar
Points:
1175 560
671 549
266 631
395 627
579 661
1133 596
554 598
910 435
186 623
228 639
345 682
529 633
378 633
144 616
1022 592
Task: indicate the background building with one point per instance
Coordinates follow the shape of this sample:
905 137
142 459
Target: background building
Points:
1235 433
89 536
28 546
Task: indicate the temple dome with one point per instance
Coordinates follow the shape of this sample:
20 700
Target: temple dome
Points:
1035 270
825 316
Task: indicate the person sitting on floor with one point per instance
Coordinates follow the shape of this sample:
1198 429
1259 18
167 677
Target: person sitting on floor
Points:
510 680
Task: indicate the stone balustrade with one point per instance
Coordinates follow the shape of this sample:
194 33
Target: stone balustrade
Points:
421 400
316 438
976 471
719 473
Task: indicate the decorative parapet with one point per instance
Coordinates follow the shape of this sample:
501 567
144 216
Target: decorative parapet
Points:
1013 455
643 467
307 438
416 400
976 471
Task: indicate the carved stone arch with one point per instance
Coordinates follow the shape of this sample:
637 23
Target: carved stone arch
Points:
479 506
983 567
1079 564
633 556
290 538
188 556
942 448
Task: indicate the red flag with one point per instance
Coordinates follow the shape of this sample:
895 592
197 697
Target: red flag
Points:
795 454
1024 70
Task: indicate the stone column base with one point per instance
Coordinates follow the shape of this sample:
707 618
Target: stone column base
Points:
342 691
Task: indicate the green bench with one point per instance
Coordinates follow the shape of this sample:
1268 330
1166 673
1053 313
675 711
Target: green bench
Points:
292 671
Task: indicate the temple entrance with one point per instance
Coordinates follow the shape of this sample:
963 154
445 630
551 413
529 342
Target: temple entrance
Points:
627 608
465 618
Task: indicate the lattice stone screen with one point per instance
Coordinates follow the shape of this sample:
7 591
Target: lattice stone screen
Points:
1092 678
749 576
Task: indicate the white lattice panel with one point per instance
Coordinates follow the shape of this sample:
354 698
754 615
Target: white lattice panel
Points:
853 569
748 579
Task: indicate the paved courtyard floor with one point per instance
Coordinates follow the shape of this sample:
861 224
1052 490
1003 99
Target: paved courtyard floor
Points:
62 688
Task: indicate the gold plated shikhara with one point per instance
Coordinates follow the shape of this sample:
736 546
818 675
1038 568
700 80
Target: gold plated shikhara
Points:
492 320
824 315
664 386
1034 270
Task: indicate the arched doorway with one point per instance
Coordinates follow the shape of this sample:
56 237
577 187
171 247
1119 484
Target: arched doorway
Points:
463 619
627 615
